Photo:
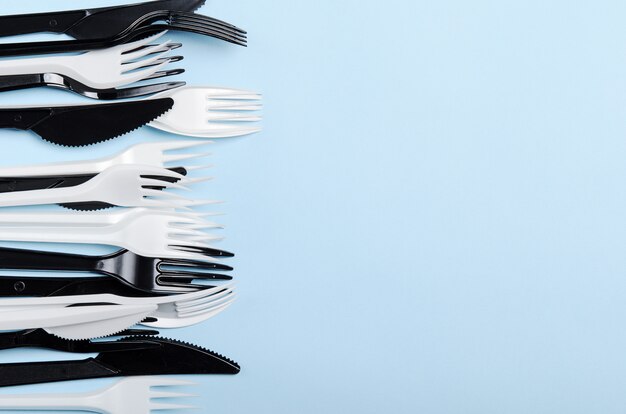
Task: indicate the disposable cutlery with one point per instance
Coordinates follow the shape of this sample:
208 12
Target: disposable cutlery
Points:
132 395
17 184
209 112
39 338
204 112
120 25
128 185
96 73
78 125
169 357
145 232
94 23
68 316
156 154
145 274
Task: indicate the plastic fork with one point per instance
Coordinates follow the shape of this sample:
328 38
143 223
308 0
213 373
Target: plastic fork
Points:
121 185
173 311
137 29
104 68
146 232
155 154
131 395
149 274
210 112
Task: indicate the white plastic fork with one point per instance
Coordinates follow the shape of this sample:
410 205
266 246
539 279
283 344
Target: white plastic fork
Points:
120 185
100 69
146 232
131 395
156 154
59 313
209 112
186 219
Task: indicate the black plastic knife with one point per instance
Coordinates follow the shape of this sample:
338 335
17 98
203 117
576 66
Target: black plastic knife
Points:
171 358
93 23
78 125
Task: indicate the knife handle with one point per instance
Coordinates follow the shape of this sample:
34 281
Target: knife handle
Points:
56 22
39 372
9 184
23 118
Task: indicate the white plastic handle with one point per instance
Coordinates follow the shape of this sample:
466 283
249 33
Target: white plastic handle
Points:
48 316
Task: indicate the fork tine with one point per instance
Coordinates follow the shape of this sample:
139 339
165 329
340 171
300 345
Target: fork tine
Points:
195 180
170 46
202 25
231 117
179 13
205 251
208 308
146 51
131 65
155 182
206 22
218 130
179 144
188 277
216 292
205 306
169 406
182 14
183 157
207 32
137 91
234 95
231 104
192 264
141 74
163 73
132 46
169 394
163 195
148 170
160 60
195 251
198 167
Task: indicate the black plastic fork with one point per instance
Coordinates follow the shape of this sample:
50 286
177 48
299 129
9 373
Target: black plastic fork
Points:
149 274
140 28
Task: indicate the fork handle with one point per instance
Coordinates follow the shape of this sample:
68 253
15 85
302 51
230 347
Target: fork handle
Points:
19 259
13 82
56 402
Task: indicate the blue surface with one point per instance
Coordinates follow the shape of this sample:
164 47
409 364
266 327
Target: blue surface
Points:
432 220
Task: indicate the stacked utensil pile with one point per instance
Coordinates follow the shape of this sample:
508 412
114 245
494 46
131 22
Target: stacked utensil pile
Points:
167 272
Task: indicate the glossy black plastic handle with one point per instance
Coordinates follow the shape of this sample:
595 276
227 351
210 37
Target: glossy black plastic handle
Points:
13 82
39 372
33 286
30 286
20 259
23 118
57 22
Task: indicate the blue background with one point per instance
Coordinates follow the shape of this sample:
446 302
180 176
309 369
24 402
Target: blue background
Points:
432 220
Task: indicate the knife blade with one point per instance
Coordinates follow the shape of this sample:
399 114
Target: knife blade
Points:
105 20
79 125
171 358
